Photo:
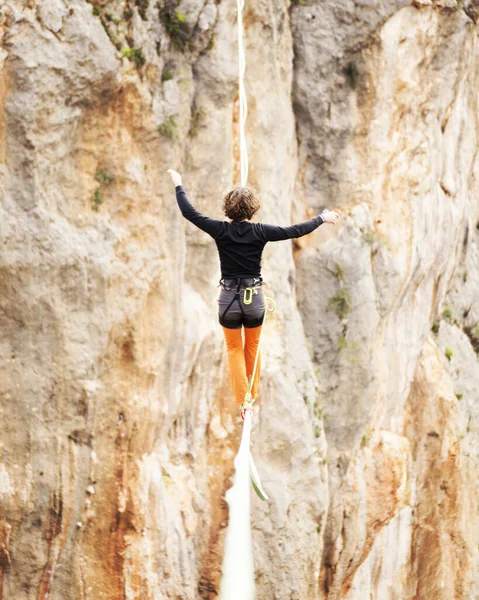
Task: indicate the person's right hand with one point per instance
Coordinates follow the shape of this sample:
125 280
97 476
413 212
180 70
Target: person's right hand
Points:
329 216
175 177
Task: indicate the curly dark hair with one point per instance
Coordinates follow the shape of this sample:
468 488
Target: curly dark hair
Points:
241 203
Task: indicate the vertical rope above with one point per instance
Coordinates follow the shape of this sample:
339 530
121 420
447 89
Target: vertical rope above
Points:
243 105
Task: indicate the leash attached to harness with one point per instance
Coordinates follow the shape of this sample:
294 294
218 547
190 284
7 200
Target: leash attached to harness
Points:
270 306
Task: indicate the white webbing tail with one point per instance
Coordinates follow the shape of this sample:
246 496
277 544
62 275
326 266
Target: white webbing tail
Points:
237 582
243 105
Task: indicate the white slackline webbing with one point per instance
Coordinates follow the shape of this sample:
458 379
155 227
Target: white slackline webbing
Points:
237 581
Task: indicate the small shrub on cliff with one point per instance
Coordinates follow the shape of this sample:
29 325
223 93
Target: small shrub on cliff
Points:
97 199
318 411
176 26
166 75
104 178
339 272
459 395
435 327
447 313
134 55
169 128
449 353
340 303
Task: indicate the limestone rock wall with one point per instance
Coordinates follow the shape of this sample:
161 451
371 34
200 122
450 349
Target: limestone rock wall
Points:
398 109
118 427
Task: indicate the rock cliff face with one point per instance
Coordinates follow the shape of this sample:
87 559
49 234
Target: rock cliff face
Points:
118 424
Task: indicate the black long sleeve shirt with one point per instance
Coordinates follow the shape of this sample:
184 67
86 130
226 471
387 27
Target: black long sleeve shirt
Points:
240 244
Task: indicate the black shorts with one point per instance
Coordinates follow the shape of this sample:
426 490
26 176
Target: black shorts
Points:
240 314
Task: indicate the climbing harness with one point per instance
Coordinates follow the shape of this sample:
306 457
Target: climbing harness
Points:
229 283
251 284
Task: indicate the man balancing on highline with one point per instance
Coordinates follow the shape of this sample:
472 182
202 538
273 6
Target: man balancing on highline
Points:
240 245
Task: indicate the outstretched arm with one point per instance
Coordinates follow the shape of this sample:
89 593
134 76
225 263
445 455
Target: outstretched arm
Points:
274 233
211 226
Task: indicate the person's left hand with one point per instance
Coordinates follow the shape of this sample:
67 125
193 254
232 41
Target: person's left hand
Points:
175 177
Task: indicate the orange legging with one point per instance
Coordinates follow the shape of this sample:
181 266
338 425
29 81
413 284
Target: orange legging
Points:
241 360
